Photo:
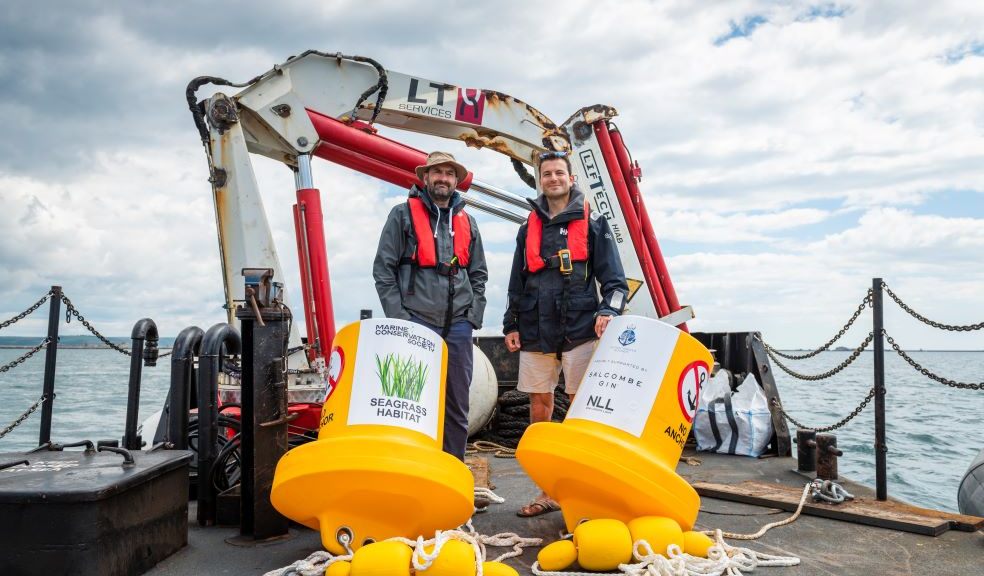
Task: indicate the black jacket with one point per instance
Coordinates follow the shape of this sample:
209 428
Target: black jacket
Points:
535 300
429 300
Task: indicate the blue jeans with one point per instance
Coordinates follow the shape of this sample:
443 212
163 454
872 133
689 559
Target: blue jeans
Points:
460 360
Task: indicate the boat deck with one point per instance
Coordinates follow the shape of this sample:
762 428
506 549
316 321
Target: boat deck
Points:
825 546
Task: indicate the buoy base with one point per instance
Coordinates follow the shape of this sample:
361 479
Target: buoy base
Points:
376 487
593 474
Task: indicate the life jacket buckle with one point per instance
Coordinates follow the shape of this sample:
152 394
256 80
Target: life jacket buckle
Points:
564 259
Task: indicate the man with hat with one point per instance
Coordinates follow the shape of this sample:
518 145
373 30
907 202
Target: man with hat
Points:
430 269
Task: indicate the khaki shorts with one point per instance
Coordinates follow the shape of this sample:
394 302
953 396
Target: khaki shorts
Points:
539 372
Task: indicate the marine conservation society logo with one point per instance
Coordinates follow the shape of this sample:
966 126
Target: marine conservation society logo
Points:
628 336
402 381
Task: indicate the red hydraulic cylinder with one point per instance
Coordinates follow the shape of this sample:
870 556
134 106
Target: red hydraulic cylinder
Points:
622 153
306 276
370 153
631 218
312 227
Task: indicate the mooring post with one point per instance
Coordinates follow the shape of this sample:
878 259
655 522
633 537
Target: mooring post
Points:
266 332
50 356
881 449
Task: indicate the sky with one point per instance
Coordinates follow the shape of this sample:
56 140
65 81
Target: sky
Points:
791 151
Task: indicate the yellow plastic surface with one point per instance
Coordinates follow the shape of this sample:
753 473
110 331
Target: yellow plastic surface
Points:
557 556
340 568
602 544
376 481
594 470
382 559
658 531
456 558
696 544
498 569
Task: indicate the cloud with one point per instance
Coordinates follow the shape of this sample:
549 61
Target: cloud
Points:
783 166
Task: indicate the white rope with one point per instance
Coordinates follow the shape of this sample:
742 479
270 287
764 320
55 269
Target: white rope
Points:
487 493
723 559
767 527
314 565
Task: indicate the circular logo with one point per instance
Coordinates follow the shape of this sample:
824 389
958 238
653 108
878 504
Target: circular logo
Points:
692 379
336 365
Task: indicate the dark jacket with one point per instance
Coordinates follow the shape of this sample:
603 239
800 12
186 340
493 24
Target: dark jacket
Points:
430 298
535 300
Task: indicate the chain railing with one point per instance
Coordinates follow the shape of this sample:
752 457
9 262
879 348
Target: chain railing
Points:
832 427
864 303
71 310
27 312
23 358
23 417
823 376
925 372
874 300
927 321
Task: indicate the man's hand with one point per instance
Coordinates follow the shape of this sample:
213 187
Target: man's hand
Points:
601 322
512 341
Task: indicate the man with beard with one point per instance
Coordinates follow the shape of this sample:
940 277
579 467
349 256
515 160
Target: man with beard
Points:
554 315
430 269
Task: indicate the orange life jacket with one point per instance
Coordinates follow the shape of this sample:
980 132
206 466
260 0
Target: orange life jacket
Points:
425 255
577 240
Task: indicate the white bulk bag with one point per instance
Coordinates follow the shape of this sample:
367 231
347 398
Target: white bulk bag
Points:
736 422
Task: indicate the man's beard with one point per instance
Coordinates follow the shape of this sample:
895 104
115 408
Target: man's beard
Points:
441 194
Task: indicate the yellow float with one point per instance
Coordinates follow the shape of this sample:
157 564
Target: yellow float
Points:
377 469
615 454
601 545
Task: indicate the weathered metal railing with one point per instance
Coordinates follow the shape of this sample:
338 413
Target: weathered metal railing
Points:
873 299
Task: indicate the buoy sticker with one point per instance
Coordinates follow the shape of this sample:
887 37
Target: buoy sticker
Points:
336 365
692 379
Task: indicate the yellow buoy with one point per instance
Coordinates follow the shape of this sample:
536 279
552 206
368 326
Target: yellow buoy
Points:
557 556
696 544
498 569
602 544
377 469
615 454
456 558
340 568
658 531
382 559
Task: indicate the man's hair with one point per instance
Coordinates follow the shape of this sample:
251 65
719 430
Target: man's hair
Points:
566 159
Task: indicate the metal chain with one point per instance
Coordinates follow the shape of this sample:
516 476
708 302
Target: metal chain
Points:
27 312
924 320
854 356
71 310
24 358
23 416
861 307
848 418
930 375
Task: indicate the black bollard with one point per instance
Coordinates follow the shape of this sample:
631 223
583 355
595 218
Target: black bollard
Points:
218 338
186 346
806 450
143 351
827 453
266 332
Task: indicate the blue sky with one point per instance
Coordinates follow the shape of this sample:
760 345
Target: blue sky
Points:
791 150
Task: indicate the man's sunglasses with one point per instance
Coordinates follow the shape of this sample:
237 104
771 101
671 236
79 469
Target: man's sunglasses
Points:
552 154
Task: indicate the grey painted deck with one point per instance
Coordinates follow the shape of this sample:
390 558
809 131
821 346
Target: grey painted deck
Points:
825 546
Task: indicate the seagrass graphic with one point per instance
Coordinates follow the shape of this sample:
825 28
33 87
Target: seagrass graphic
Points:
401 377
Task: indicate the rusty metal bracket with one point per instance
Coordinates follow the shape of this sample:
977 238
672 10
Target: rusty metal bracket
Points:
827 453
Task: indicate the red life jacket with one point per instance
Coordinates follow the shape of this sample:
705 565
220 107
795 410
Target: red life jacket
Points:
577 240
426 254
